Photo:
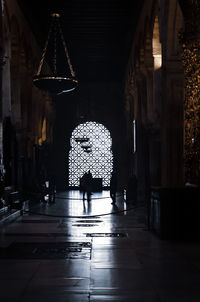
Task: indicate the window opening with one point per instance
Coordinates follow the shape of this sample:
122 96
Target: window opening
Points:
90 150
157 47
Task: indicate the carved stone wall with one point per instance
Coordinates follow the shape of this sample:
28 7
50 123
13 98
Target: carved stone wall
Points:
23 107
190 40
158 96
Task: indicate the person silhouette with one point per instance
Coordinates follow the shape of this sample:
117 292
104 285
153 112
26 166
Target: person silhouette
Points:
113 187
87 184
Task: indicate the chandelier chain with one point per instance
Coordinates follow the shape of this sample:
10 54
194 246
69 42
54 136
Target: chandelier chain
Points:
51 76
44 51
66 51
55 50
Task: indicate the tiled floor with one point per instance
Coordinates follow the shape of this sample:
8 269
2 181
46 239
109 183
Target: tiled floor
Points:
135 268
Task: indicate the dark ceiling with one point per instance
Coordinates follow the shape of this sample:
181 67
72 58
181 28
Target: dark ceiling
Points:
98 33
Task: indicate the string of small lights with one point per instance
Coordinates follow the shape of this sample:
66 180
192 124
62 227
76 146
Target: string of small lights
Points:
191 64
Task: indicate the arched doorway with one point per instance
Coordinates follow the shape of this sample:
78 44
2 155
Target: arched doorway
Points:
90 150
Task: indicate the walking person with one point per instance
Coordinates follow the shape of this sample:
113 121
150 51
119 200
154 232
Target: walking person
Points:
87 184
113 187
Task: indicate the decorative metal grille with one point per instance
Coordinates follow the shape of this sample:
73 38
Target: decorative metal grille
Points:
90 150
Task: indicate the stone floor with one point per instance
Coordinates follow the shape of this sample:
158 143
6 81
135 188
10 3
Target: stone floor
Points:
93 251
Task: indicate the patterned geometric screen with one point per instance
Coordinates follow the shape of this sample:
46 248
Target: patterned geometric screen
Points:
90 150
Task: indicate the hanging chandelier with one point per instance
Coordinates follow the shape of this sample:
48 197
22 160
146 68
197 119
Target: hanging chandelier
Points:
55 72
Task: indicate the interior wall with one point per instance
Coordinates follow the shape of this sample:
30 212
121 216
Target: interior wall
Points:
22 105
158 94
100 102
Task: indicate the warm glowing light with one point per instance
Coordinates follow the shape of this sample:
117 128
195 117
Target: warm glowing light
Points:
40 141
191 64
99 159
44 130
157 47
157 62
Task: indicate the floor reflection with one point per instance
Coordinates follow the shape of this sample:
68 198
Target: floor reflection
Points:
108 257
80 217
71 203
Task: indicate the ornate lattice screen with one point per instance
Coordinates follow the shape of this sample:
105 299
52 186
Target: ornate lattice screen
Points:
90 150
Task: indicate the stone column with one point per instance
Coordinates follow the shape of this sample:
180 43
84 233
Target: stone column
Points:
142 138
172 126
2 62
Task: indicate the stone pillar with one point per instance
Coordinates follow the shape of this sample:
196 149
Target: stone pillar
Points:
130 113
172 127
142 139
2 62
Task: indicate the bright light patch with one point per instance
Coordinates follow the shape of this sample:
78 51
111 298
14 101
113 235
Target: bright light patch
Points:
157 47
90 150
134 136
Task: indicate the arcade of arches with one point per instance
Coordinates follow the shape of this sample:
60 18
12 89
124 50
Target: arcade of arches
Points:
159 94
161 73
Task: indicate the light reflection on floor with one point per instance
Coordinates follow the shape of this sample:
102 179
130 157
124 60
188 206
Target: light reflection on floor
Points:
74 211
71 203
139 267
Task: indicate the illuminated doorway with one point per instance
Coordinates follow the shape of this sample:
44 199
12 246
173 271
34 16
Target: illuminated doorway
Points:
90 150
